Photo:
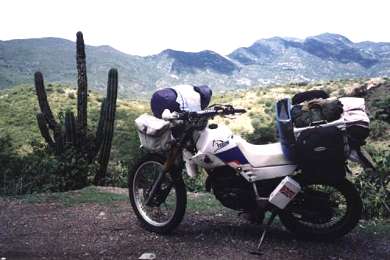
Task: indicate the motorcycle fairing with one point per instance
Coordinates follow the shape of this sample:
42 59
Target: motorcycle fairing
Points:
233 155
219 146
269 172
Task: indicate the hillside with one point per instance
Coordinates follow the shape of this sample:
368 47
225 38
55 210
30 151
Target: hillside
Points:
19 105
38 171
268 61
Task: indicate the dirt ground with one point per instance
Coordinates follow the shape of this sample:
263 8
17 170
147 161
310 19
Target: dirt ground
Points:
110 231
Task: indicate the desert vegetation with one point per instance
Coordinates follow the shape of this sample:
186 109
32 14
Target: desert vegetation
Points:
28 168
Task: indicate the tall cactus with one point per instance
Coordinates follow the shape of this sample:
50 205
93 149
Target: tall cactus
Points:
82 90
74 133
108 123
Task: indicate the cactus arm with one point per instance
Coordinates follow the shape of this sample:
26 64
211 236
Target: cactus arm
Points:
45 130
100 126
42 100
59 140
70 128
108 128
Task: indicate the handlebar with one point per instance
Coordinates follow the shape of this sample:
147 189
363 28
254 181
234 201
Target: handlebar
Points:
208 113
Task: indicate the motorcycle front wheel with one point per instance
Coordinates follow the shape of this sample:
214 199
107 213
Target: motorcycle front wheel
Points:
162 216
326 212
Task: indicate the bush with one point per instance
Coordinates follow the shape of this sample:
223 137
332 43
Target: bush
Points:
60 90
341 92
40 171
262 134
71 95
378 129
197 183
374 187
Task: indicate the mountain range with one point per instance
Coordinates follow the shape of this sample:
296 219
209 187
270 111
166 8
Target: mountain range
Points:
275 60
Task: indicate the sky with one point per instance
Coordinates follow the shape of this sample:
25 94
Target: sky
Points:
144 27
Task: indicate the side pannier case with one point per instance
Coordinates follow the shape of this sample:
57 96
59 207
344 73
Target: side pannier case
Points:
321 153
154 133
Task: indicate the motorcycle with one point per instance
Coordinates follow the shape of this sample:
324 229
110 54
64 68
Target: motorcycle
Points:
244 177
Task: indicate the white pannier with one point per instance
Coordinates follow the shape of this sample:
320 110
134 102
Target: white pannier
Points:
155 134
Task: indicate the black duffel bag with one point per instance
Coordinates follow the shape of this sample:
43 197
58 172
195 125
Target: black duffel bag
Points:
309 95
315 112
320 153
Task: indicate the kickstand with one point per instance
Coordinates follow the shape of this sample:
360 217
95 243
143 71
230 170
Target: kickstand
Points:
267 225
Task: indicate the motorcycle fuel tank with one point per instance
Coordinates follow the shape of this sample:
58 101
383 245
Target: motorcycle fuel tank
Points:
217 146
215 138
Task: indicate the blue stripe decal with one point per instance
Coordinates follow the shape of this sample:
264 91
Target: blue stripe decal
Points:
233 154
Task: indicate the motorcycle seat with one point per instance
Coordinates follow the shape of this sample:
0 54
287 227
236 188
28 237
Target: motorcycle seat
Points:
265 155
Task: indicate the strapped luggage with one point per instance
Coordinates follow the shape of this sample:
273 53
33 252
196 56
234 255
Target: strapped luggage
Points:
356 119
309 95
154 133
324 131
316 111
180 98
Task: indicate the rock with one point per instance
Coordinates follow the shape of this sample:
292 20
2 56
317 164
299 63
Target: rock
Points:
148 256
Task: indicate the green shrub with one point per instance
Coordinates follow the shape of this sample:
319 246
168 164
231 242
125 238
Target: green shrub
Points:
60 90
374 187
71 95
197 183
269 103
263 133
341 92
40 171
378 129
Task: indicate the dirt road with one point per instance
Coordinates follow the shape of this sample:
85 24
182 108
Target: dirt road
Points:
52 230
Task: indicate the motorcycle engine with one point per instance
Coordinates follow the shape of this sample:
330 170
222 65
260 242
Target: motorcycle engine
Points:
231 189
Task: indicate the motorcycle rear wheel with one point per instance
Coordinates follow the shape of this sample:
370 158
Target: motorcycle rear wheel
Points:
162 217
333 228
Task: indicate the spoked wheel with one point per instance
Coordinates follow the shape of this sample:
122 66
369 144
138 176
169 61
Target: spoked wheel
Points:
166 209
324 211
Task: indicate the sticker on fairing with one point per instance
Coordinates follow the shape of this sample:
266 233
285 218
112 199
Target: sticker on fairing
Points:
232 155
219 144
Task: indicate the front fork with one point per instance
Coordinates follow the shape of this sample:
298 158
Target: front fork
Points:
156 194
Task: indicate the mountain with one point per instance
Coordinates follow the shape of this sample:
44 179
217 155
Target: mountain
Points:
190 62
273 60
55 57
326 56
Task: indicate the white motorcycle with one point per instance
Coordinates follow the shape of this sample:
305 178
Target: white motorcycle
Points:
245 177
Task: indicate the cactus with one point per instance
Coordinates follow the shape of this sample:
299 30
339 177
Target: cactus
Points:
108 123
75 132
45 130
82 90
70 129
42 100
